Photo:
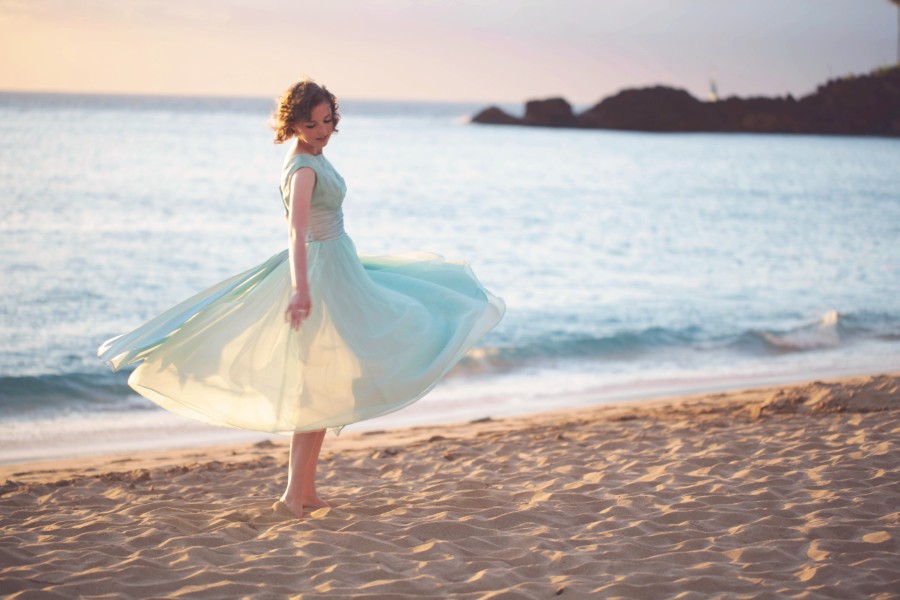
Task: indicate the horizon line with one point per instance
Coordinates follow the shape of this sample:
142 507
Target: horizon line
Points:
486 103
213 96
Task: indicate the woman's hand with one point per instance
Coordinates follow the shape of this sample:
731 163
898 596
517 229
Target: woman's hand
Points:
298 309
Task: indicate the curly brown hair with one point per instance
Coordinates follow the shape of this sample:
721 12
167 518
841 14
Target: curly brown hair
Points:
295 106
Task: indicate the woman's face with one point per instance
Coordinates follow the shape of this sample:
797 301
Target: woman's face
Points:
314 134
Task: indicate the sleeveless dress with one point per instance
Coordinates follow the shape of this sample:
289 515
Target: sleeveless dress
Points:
381 333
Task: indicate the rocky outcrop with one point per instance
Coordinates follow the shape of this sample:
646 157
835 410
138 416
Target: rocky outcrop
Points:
495 116
862 105
758 115
868 105
650 109
553 112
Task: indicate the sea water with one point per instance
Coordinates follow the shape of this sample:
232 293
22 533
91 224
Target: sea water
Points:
633 264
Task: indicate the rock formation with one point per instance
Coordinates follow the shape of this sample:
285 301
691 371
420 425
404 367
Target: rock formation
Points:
553 112
861 105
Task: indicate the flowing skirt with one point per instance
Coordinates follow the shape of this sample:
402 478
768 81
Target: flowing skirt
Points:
382 332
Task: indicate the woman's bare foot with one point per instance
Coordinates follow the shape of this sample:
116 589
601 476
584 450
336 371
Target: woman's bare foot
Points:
301 483
313 501
283 504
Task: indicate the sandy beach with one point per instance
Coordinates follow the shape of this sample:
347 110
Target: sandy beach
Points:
788 491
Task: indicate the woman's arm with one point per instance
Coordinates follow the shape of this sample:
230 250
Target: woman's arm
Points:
302 182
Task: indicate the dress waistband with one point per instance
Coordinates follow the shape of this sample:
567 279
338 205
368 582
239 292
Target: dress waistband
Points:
325 224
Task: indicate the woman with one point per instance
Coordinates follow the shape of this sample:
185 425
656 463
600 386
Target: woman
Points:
317 337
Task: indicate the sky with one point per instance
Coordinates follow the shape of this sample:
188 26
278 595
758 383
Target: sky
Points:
466 50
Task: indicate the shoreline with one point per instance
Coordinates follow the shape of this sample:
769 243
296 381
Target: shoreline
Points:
727 400
43 440
790 490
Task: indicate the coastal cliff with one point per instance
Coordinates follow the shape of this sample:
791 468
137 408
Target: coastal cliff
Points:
857 105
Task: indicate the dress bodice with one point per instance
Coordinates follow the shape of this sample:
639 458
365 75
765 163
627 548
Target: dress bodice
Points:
326 219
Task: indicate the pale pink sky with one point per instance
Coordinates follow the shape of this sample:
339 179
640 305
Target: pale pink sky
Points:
481 50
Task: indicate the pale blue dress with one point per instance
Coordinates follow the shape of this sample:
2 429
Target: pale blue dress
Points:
383 330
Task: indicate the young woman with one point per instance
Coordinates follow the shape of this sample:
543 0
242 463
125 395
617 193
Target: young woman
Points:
317 337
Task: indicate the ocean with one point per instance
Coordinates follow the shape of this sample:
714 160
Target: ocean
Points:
633 265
